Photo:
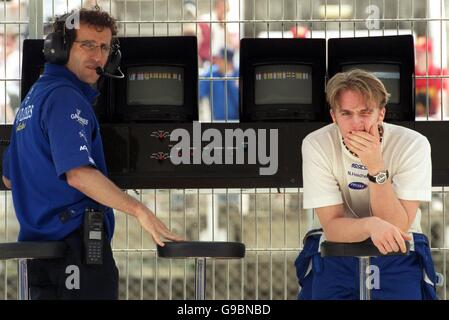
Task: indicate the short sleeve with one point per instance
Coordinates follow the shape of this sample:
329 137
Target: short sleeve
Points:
320 185
70 123
413 179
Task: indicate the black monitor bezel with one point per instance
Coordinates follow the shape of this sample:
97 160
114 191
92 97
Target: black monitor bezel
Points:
255 52
156 51
392 50
32 61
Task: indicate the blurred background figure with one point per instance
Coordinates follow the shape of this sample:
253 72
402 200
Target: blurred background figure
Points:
10 71
213 35
189 13
429 91
219 99
300 32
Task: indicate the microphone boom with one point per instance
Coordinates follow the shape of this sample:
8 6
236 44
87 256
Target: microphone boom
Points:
100 71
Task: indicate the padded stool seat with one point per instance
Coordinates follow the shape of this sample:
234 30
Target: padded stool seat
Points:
208 249
200 250
355 249
30 250
364 250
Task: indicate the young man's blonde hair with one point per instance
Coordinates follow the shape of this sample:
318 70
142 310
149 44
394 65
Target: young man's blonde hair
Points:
368 85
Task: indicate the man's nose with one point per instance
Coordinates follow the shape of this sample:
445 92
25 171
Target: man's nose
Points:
97 54
357 123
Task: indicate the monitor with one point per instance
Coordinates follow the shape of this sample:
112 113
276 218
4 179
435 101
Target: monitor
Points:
283 84
33 62
160 85
389 74
390 58
282 79
155 85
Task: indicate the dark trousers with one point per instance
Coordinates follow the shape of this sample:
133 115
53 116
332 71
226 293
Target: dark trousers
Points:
69 278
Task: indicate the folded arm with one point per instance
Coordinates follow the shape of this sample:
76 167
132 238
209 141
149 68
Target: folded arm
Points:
338 228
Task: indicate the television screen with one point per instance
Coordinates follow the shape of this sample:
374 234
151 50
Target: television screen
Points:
283 84
389 74
155 85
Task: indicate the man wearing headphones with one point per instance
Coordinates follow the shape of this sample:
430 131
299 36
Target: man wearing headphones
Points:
56 169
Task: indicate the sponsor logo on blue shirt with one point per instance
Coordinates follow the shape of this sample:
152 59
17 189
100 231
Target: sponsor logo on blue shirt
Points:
357 185
78 118
21 126
24 113
83 135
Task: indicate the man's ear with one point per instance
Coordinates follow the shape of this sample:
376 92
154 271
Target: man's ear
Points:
381 114
332 115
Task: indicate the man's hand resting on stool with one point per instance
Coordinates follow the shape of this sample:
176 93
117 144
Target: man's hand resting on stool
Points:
155 227
387 237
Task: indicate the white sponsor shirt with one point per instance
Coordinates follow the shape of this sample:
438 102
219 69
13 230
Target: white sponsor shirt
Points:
332 175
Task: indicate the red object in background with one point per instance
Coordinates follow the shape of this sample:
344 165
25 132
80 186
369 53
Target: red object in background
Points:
300 32
422 45
435 83
204 46
430 86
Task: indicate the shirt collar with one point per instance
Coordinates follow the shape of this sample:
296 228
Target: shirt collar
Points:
62 71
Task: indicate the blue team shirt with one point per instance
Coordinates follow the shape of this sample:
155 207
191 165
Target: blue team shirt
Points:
55 130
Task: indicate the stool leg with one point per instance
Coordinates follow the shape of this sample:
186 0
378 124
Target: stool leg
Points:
200 278
365 290
23 293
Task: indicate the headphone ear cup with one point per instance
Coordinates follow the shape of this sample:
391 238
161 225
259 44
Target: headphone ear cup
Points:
55 49
113 62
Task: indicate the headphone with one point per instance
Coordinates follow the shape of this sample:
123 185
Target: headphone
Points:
57 49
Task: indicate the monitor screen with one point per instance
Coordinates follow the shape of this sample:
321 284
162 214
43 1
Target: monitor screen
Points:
389 74
155 85
283 84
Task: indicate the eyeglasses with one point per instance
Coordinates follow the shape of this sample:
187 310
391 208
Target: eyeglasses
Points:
90 46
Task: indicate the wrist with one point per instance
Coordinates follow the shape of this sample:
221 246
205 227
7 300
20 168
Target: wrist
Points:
139 210
368 225
375 169
381 177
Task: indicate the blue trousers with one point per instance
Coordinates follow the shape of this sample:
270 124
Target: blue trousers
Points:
337 278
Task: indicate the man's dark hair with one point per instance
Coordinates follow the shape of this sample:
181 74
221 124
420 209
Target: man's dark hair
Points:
92 17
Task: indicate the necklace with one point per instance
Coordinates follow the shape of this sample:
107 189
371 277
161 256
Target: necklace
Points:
381 134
